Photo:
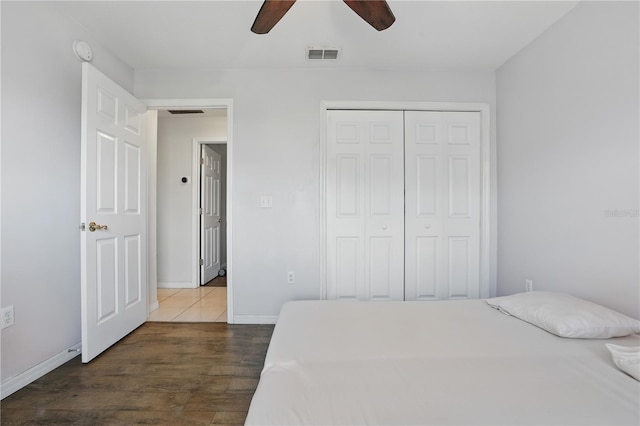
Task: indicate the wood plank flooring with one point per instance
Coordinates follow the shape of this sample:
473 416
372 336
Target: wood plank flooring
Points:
161 374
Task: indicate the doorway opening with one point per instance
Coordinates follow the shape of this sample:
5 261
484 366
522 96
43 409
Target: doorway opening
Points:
194 281
210 210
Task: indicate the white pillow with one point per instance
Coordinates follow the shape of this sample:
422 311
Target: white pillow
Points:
626 358
565 315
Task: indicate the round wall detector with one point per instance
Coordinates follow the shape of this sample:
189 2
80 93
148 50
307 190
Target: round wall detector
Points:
82 50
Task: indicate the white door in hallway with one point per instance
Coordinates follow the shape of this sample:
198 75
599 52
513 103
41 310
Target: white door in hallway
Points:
113 211
210 218
365 205
443 188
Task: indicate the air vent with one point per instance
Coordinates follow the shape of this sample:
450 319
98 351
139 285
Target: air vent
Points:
326 54
186 111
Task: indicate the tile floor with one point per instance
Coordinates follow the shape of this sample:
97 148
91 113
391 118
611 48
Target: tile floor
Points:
204 304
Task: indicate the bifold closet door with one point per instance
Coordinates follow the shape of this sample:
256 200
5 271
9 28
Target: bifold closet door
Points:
365 205
442 187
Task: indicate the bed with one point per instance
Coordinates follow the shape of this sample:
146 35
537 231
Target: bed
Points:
435 363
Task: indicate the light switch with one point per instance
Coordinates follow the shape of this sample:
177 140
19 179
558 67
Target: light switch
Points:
266 201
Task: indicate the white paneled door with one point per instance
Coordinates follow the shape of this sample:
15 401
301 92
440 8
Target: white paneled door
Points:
442 219
209 214
403 205
365 205
113 212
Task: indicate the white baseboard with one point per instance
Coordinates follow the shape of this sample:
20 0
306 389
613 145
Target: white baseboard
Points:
173 284
153 306
255 319
16 383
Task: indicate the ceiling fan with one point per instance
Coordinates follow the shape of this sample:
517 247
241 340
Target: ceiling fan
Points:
375 12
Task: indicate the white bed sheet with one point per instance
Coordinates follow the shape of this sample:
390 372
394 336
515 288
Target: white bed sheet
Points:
450 362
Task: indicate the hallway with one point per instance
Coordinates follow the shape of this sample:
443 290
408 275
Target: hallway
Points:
203 304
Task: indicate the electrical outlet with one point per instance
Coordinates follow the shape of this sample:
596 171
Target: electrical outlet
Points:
291 278
528 285
6 317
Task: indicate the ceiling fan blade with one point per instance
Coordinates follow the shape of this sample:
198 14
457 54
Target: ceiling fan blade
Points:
376 12
270 13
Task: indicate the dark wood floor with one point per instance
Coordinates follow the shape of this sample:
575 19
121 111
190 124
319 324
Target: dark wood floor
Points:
162 373
217 282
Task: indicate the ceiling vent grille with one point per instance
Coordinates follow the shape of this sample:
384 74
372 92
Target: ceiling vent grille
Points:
185 111
325 54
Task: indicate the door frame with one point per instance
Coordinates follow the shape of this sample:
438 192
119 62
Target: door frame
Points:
156 104
487 260
196 172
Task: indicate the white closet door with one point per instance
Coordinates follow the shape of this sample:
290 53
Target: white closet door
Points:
442 185
365 205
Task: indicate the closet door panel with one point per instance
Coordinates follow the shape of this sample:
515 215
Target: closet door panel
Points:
380 185
462 224
365 205
380 268
442 196
459 263
347 260
426 185
424 195
426 268
347 186
459 187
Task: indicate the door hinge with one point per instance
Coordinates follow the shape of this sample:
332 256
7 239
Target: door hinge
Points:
201 262
201 212
201 161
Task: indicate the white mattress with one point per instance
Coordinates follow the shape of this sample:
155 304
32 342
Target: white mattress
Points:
434 363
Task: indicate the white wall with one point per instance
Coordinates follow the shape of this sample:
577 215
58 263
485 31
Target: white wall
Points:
175 217
41 82
568 121
276 120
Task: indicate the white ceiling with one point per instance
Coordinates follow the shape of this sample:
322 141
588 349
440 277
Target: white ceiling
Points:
479 35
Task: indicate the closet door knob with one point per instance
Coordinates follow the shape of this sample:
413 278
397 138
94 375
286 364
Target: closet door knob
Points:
427 226
384 226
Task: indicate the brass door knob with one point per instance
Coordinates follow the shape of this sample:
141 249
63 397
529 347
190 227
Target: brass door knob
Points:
93 226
